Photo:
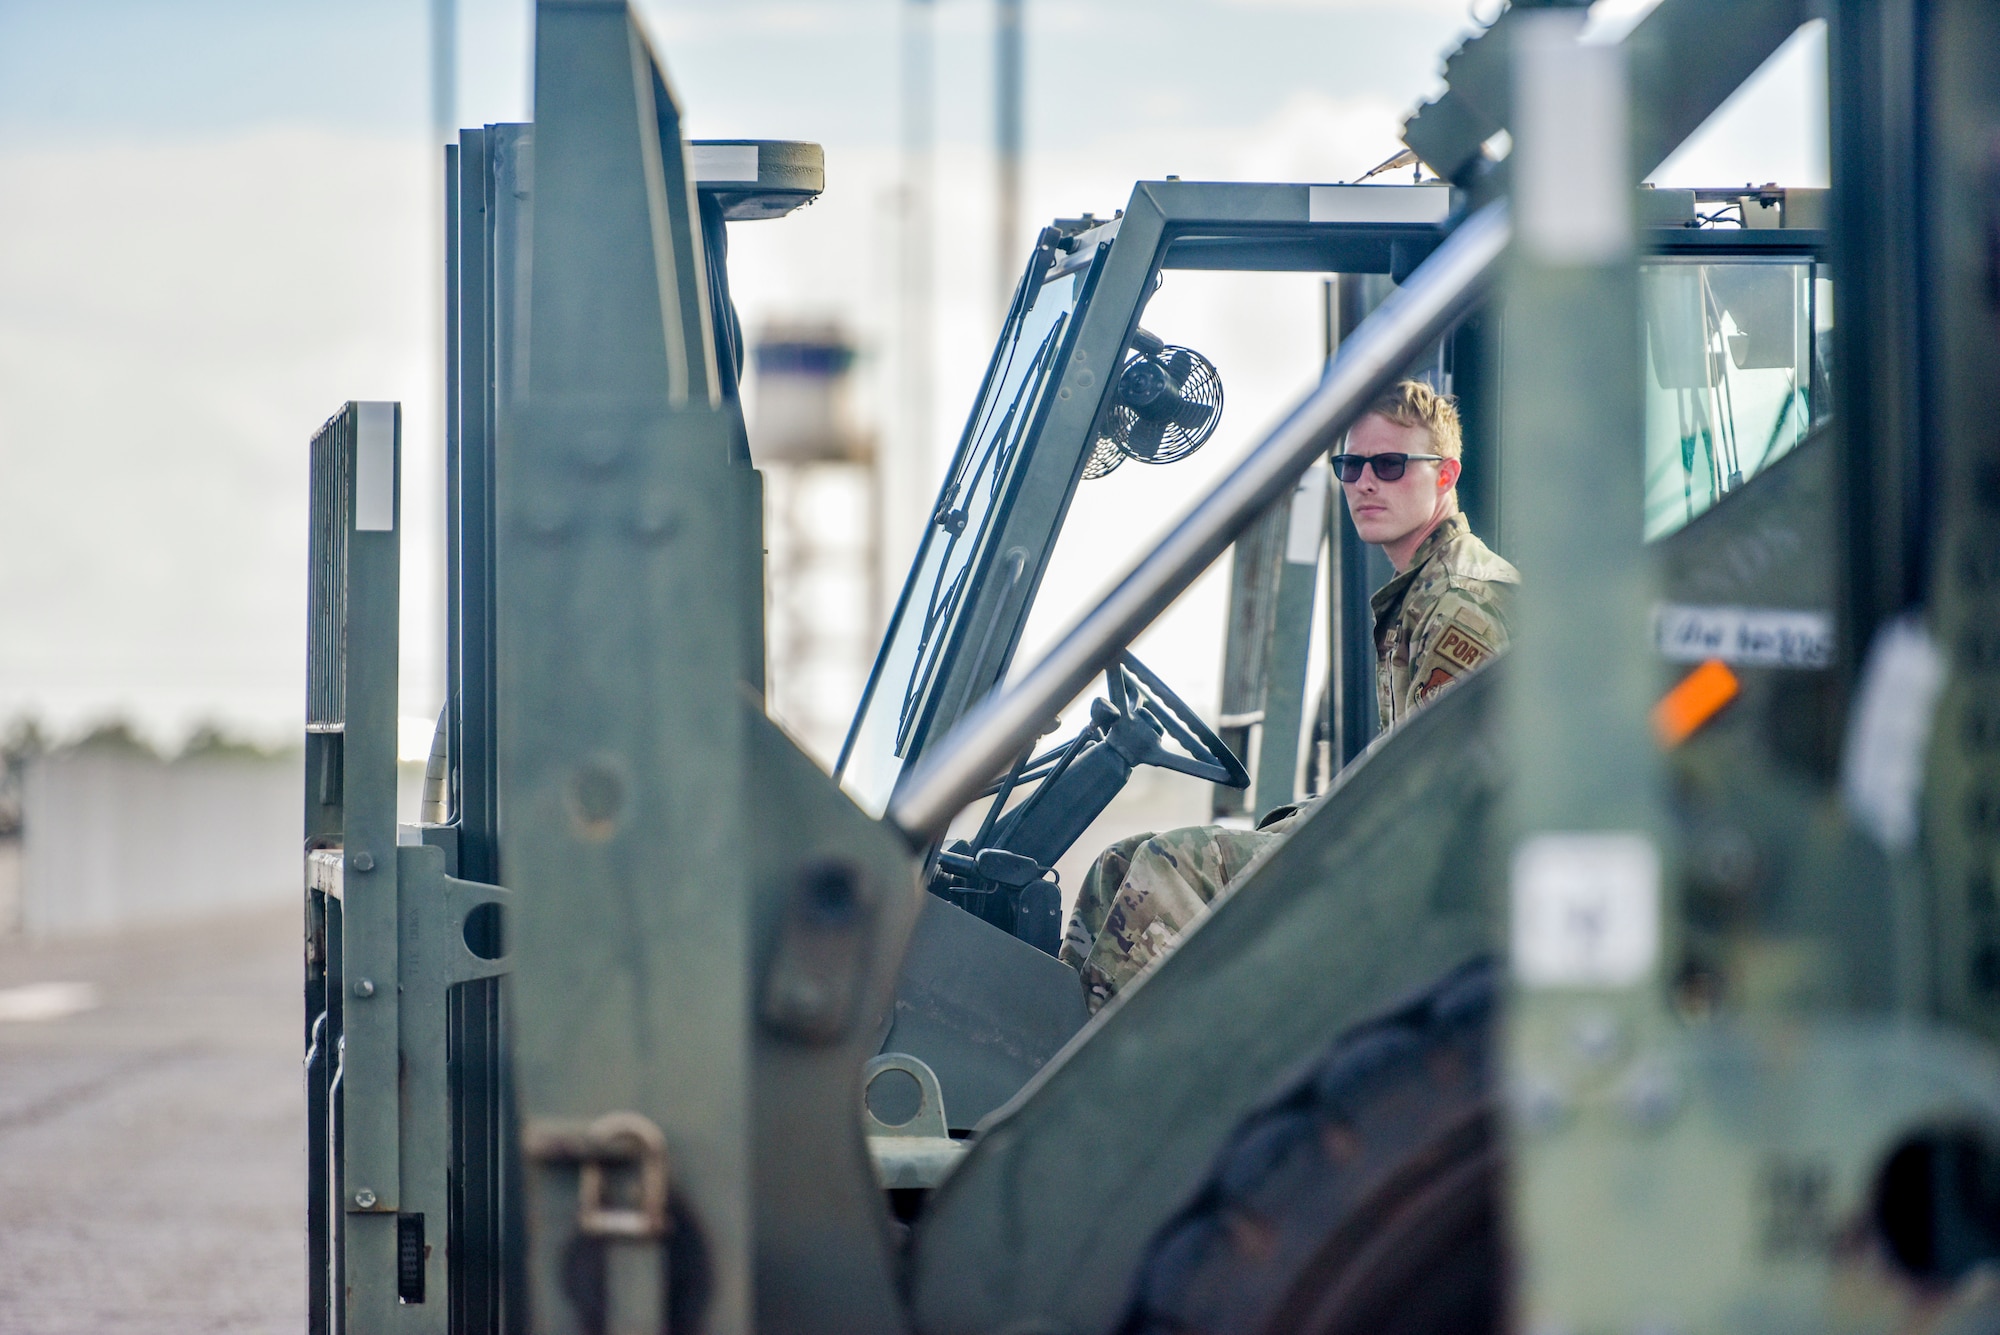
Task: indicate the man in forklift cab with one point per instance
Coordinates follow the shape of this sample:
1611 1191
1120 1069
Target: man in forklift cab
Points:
1443 614
1445 611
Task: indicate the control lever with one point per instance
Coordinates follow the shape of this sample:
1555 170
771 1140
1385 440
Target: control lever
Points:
992 864
1004 872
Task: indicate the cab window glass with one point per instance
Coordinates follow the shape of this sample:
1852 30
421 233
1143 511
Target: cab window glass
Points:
1733 381
969 507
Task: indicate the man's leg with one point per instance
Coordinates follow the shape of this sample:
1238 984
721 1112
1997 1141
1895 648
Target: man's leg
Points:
1093 898
1142 892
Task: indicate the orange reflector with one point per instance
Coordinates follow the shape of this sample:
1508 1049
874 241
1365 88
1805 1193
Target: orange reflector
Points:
1697 698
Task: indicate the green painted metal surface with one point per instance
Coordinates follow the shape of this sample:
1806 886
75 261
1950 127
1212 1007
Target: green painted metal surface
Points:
1382 889
1586 823
825 1259
387 928
1253 579
1701 1144
1961 251
1286 724
1686 57
706 928
620 737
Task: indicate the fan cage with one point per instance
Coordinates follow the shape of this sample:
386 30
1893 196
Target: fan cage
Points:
1200 387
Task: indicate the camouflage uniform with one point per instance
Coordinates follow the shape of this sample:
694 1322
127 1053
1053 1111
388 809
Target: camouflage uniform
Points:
1143 891
1434 623
1439 619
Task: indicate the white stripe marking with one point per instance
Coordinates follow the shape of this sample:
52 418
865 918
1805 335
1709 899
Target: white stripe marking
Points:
375 468
1586 910
45 1001
725 162
1378 203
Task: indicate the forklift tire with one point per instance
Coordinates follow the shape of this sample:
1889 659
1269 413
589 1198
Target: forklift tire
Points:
1364 1198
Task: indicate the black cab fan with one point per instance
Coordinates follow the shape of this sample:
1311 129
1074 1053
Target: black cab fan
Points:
1164 408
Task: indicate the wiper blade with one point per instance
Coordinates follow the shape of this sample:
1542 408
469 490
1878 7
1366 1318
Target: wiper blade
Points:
989 464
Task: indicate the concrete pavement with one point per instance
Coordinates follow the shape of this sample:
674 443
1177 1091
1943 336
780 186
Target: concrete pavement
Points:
152 1145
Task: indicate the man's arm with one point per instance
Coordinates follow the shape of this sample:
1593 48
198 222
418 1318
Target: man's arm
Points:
1466 629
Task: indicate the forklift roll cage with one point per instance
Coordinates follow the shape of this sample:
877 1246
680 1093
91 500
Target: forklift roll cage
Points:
1116 266
936 662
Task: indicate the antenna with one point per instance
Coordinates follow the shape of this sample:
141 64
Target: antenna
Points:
1007 80
907 475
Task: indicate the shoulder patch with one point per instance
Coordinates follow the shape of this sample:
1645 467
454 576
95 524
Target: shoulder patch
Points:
1460 648
1431 685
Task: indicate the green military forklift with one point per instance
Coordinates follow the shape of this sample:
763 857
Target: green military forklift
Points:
1647 981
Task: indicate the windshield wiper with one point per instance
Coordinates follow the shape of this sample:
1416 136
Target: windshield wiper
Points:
990 464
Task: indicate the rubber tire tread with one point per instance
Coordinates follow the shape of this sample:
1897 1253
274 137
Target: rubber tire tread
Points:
1362 1197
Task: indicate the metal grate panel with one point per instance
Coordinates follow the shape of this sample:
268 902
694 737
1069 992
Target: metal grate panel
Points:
326 606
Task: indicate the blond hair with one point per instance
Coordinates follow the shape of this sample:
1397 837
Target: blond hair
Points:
1413 403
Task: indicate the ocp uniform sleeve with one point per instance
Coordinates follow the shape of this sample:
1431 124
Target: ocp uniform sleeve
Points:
1467 628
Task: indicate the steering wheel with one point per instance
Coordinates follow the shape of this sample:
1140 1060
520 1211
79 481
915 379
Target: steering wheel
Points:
1135 690
999 873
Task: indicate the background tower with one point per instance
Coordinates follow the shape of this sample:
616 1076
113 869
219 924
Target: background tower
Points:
823 512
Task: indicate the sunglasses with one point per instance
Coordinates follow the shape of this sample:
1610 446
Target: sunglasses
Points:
1388 467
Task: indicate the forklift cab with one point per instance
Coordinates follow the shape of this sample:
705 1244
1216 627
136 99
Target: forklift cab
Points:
1737 308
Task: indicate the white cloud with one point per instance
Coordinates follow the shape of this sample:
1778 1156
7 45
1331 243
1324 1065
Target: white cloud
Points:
175 322
1773 128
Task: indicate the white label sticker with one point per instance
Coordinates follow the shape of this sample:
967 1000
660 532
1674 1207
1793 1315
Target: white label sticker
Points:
1889 732
375 468
1308 518
725 162
1378 203
1586 910
1746 636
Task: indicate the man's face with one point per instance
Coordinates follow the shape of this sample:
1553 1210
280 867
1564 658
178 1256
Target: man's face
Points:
1387 512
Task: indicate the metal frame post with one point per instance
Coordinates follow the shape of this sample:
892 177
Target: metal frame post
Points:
1587 786
351 858
1253 572
387 937
479 190
696 997
1875 53
1357 569
469 502
1287 669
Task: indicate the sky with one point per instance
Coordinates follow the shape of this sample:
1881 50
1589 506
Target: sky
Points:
219 219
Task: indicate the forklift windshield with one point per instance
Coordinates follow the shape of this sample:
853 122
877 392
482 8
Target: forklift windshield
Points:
958 539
